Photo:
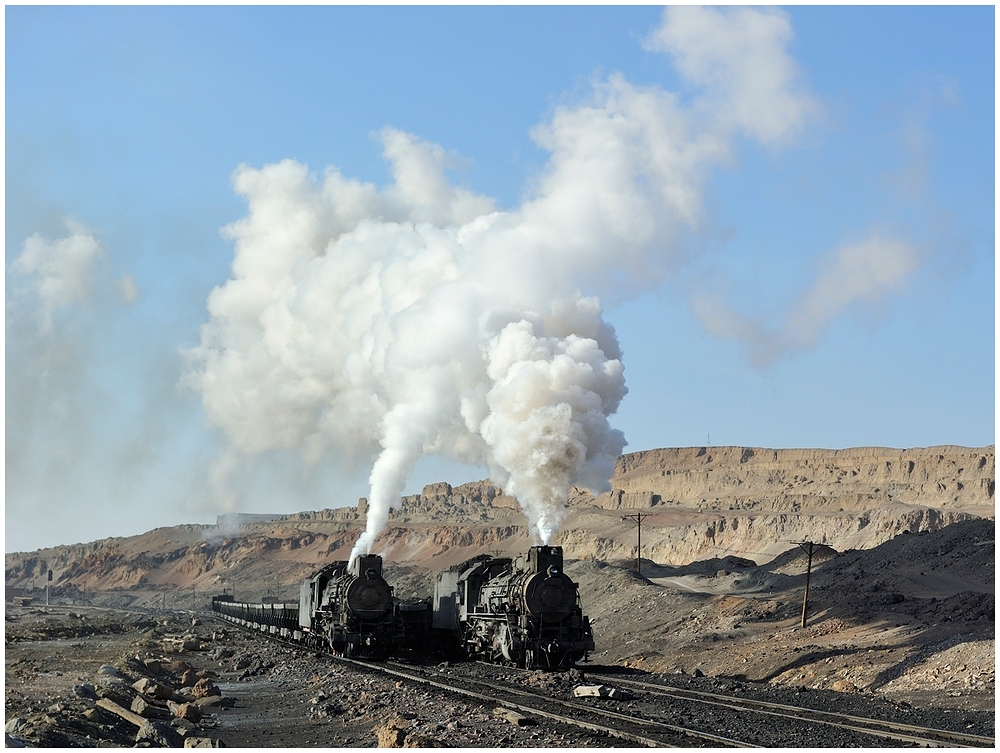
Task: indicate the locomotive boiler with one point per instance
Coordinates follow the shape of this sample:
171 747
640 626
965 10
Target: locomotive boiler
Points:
349 609
523 611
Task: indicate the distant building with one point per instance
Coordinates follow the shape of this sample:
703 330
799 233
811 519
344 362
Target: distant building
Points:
10 593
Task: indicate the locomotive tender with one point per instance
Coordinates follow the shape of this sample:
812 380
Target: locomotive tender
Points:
524 611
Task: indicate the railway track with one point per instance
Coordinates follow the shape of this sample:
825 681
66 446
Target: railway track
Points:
636 730
623 726
895 731
689 718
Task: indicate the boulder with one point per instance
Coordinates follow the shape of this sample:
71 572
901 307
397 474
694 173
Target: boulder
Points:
148 710
392 733
152 689
189 711
14 725
189 678
202 742
204 688
215 701
159 735
154 666
86 690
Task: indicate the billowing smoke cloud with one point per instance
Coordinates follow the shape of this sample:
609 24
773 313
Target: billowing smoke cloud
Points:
59 271
375 326
860 272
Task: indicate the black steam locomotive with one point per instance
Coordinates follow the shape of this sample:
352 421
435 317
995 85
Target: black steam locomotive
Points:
345 610
523 611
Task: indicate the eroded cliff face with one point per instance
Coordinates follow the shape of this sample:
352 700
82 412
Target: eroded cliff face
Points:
697 503
780 481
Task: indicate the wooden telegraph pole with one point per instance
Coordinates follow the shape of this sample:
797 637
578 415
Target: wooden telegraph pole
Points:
807 546
638 518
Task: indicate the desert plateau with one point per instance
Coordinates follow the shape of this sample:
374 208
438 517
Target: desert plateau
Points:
899 622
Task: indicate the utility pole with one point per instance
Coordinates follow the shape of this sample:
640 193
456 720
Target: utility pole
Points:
638 518
807 546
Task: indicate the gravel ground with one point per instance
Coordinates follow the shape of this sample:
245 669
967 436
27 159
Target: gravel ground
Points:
283 697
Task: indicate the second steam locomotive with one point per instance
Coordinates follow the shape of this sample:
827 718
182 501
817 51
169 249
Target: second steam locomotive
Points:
524 611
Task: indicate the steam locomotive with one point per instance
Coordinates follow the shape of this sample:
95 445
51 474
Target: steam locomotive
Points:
348 610
524 611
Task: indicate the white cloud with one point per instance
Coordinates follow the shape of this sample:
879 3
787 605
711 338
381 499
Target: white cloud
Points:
863 272
127 289
738 56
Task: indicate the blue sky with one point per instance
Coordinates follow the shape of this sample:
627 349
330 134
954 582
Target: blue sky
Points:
125 127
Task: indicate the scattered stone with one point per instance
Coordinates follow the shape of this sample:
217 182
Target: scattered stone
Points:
599 691
204 688
190 711
518 720
154 666
159 734
202 742
211 701
189 678
107 669
392 733
86 690
114 708
418 740
14 725
152 689
147 710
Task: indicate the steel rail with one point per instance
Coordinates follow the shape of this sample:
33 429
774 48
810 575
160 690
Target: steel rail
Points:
638 721
621 734
891 730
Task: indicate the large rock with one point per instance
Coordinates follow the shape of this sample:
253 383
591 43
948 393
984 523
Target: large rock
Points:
159 735
190 711
153 689
147 710
392 733
204 688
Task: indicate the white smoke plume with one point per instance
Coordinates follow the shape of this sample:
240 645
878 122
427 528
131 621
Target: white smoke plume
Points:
859 272
59 271
375 326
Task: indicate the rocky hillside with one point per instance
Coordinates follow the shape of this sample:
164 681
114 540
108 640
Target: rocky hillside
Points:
697 503
782 481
